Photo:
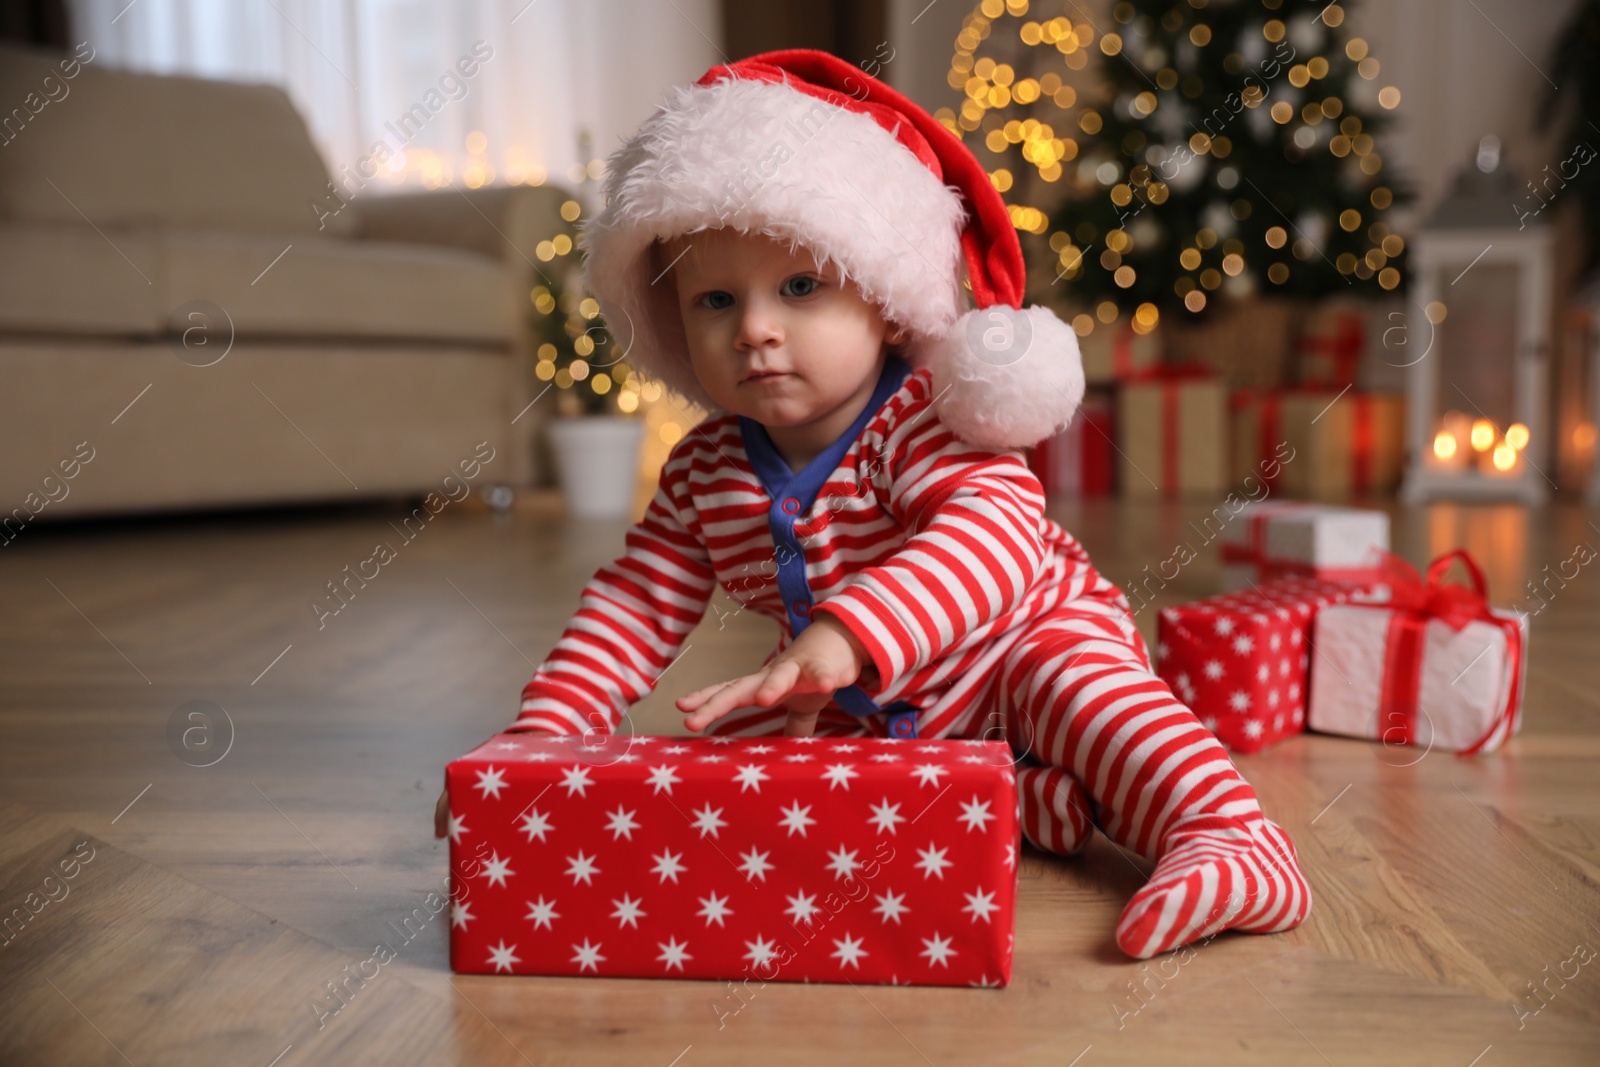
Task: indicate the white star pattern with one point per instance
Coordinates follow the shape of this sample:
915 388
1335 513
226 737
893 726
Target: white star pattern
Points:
458 826
497 869
1239 701
712 757
929 773
976 814
933 863
672 953
536 824
980 904
1224 626
839 774
848 951
802 906
760 749
460 915
885 816
796 818
676 749
715 909
1243 645
884 757
843 863
937 949
751 776
1263 673
1252 728
502 956
761 951
663 777
587 956
621 824
1213 669
891 906
582 868
667 866
708 821
628 911
799 757
540 912
755 864
490 782
576 780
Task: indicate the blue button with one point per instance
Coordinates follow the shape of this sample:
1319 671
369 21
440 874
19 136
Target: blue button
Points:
902 726
802 608
791 506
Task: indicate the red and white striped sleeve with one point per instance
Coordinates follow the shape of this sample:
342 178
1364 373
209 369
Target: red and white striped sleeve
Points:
976 544
632 618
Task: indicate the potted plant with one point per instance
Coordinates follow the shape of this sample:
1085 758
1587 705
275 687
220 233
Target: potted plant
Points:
596 435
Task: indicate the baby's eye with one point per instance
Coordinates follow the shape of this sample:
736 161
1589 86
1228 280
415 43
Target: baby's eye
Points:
716 300
808 285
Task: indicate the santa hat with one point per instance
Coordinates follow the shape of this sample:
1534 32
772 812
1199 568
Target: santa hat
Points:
803 146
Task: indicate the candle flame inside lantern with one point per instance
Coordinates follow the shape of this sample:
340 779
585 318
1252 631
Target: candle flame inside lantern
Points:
1482 434
1517 436
1444 444
1505 457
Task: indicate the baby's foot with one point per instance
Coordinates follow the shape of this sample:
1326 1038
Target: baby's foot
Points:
1218 873
1055 810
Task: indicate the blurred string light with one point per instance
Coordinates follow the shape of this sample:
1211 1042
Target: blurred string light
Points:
1073 166
576 351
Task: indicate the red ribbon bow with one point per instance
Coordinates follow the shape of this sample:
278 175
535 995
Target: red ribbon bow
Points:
1412 603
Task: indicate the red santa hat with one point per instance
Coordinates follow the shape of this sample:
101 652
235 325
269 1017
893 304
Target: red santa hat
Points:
803 146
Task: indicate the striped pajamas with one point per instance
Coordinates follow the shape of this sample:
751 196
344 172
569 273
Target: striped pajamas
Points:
979 615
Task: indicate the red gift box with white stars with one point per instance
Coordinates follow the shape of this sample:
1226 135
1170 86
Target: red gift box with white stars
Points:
1240 660
818 859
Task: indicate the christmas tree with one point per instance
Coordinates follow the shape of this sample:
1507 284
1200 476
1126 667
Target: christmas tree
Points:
1212 148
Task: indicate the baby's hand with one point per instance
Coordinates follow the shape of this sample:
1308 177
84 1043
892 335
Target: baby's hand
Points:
824 658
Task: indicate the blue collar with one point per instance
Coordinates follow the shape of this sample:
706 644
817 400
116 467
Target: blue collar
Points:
804 486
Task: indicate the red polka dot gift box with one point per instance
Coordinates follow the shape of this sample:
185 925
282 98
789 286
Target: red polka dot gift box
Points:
1240 660
819 859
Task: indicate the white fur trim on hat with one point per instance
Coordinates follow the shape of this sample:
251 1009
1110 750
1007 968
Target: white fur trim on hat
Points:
1007 378
761 157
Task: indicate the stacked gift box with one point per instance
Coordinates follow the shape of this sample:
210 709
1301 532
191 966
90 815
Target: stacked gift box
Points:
1272 539
784 859
1080 461
1384 654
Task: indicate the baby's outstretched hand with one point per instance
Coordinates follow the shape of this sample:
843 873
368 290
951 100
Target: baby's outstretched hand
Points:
803 677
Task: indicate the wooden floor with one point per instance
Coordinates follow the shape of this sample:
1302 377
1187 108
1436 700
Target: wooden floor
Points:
209 906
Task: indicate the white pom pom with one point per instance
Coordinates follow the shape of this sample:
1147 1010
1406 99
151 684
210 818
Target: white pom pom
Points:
1007 378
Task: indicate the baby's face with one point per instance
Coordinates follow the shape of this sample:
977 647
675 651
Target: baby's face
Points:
771 335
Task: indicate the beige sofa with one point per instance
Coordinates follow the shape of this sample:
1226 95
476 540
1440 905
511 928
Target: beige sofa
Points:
181 328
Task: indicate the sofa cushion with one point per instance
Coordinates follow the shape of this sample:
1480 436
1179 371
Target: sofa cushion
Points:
309 286
66 278
131 150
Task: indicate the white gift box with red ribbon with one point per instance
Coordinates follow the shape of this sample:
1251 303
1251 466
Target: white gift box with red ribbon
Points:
1434 667
1293 539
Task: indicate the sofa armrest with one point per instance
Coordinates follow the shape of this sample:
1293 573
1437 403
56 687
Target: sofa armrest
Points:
504 222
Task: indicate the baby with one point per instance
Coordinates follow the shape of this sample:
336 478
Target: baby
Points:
861 481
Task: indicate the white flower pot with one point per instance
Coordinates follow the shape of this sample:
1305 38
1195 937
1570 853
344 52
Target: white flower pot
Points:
597 459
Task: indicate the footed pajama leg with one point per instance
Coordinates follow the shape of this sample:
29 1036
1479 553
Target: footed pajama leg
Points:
1079 688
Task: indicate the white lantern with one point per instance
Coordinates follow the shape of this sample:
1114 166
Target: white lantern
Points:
1476 421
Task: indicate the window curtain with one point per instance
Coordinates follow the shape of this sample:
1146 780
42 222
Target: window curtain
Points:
462 92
